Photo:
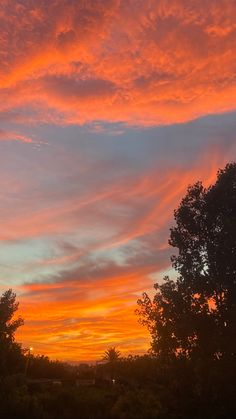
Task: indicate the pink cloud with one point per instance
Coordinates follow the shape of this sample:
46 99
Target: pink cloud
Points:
14 136
74 62
149 62
88 299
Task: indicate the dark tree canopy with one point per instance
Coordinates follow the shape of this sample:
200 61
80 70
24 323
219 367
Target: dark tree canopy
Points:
195 316
10 351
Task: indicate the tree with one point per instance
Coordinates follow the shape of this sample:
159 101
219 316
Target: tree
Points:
10 351
195 316
112 355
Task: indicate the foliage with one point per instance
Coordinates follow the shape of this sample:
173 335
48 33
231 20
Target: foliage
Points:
137 404
16 401
40 366
146 387
195 316
11 358
192 320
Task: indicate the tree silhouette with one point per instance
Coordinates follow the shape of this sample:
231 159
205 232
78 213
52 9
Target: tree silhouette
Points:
195 316
112 355
10 351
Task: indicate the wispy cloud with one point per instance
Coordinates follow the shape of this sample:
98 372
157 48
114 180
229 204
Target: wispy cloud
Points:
123 93
14 136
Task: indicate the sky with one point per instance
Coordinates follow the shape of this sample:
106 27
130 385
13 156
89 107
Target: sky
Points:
109 109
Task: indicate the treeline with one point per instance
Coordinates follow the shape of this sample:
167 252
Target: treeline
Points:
144 387
190 369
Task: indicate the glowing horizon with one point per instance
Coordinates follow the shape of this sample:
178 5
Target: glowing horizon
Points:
109 110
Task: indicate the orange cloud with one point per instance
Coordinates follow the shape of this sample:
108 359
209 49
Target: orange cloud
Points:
138 62
83 307
88 230
84 316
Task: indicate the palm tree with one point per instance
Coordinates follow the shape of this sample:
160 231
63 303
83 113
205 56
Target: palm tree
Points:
112 355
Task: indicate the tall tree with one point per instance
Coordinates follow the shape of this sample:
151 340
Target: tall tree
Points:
10 351
195 316
112 355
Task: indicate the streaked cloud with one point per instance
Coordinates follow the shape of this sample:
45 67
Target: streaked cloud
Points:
90 229
15 136
108 111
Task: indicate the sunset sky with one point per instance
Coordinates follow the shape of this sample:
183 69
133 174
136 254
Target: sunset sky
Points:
109 109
